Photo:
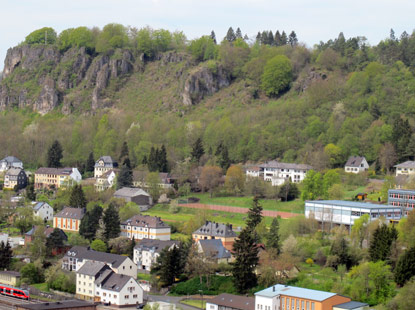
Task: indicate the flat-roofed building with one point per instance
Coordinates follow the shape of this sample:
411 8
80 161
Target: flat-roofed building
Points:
230 302
346 212
145 227
403 198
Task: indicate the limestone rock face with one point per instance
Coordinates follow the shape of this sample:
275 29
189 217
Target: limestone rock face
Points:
48 98
204 82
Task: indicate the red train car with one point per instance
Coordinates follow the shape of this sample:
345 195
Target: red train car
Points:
14 292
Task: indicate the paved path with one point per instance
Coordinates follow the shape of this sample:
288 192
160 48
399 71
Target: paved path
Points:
284 215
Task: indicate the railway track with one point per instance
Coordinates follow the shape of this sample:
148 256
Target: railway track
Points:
7 302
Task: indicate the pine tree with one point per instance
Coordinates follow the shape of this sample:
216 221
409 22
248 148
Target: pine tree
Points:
163 163
284 38
292 39
125 176
230 35
77 198
90 223
270 38
213 36
381 242
112 222
197 150
254 214
258 39
273 237
55 240
169 265
131 248
405 269
124 153
245 253
264 38
90 163
55 155
152 160
224 160
238 33
277 39
6 254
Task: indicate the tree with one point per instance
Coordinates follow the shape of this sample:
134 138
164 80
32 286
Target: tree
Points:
54 155
360 229
336 192
197 150
277 75
6 254
405 268
235 180
112 36
162 160
210 178
406 229
99 245
77 37
387 156
284 38
45 35
230 35
124 153
292 39
245 252
238 33
405 299
223 156
273 237
169 265
77 199
340 253
131 248
111 221
312 186
125 176
90 163
254 215
38 245
153 181
288 191
55 240
31 273
128 210
197 265
213 36
90 223
381 242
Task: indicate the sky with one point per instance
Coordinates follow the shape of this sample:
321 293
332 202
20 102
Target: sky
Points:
312 20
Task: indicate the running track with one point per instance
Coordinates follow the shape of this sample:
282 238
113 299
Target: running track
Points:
284 215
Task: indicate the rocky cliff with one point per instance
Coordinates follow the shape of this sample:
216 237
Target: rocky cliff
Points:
42 78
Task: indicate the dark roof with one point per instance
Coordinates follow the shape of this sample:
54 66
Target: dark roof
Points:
56 305
55 171
11 159
278 165
355 161
155 245
233 301
213 248
92 268
115 282
350 305
48 231
82 252
407 164
216 229
71 213
145 221
11 273
130 192
108 162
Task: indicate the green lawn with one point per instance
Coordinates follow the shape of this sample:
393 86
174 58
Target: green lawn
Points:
195 303
41 286
144 276
351 194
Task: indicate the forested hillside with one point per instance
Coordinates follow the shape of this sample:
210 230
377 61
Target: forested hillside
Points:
92 89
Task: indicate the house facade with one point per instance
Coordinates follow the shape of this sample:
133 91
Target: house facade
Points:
136 195
147 251
43 210
406 168
140 176
212 230
56 177
145 227
86 277
10 162
9 277
15 178
356 164
69 219
74 259
105 180
402 198
103 165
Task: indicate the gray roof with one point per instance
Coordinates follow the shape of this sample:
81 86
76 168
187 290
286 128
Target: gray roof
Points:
71 213
352 204
11 159
81 252
145 221
233 301
130 192
115 282
54 171
355 161
108 162
39 205
278 165
14 172
155 245
92 268
407 164
11 273
293 291
216 229
351 305
213 248
64 304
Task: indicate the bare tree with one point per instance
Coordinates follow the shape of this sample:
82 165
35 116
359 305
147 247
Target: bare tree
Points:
387 156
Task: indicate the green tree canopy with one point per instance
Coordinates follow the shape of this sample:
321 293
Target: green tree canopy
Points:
277 75
55 155
77 199
45 35
112 222
111 37
99 245
76 37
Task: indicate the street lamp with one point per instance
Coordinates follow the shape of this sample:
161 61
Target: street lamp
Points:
201 294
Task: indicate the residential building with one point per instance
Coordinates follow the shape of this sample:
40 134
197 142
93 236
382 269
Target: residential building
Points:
230 302
79 255
140 176
145 226
103 165
106 180
69 219
56 177
28 237
118 290
86 277
406 168
212 230
59 305
10 162
136 195
356 164
213 250
147 251
254 171
15 178
9 277
284 297
338 212
43 210
403 198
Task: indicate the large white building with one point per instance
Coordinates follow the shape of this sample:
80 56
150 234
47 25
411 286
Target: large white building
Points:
147 251
278 173
406 168
145 227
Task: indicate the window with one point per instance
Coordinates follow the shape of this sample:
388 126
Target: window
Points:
134 296
302 305
213 307
312 305
127 296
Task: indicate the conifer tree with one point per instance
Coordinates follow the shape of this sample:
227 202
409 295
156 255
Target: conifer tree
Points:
169 265
90 223
238 33
131 248
284 38
90 163
381 242
230 35
273 237
405 268
254 214
55 240
213 36
125 176
292 39
77 198
197 150
163 163
6 254
277 39
258 38
224 160
112 222
152 160
264 37
55 155
270 38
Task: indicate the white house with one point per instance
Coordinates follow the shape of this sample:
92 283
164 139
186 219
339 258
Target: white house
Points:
145 226
406 168
43 210
147 251
356 164
105 180
118 290
10 162
86 277
104 164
